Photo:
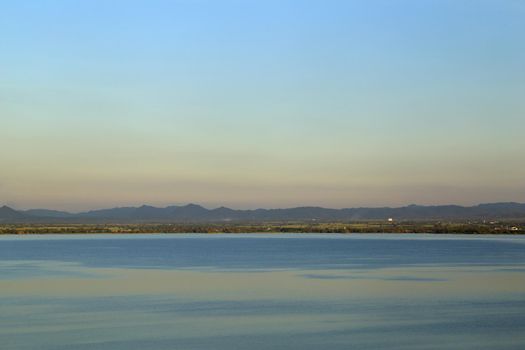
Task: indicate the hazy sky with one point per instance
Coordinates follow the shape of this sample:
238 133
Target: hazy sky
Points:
261 103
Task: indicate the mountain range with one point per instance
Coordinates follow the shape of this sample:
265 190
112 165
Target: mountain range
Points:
193 213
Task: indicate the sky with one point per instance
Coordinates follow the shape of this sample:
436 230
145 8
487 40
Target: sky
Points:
273 103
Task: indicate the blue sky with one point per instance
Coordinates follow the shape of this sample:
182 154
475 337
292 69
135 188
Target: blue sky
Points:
261 103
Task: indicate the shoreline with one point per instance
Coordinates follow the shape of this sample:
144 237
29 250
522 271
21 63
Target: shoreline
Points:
493 228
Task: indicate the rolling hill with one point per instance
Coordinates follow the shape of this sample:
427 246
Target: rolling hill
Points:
193 213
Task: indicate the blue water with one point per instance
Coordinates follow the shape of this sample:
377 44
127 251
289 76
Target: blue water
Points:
262 292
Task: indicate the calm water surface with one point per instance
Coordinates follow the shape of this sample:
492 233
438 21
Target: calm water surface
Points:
262 292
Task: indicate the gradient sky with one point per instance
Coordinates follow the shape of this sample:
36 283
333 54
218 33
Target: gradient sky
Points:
261 103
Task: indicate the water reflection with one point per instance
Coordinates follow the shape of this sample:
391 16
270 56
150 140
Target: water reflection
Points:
248 302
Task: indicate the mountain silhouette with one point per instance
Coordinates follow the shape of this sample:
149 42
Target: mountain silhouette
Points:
193 213
8 214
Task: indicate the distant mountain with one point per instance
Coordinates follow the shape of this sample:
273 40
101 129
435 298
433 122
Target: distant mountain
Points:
193 213
10 215
46 213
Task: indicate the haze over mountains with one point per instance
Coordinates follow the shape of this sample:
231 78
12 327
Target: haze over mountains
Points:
193 213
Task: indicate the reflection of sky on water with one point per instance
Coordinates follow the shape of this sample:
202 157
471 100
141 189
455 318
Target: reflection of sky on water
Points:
452 302
386 278
173 323
416 282
21 269
258 252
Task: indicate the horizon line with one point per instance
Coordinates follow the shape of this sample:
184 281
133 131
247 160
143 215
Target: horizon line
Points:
263 208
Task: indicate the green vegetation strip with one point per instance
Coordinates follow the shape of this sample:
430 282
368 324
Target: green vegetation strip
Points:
340 227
